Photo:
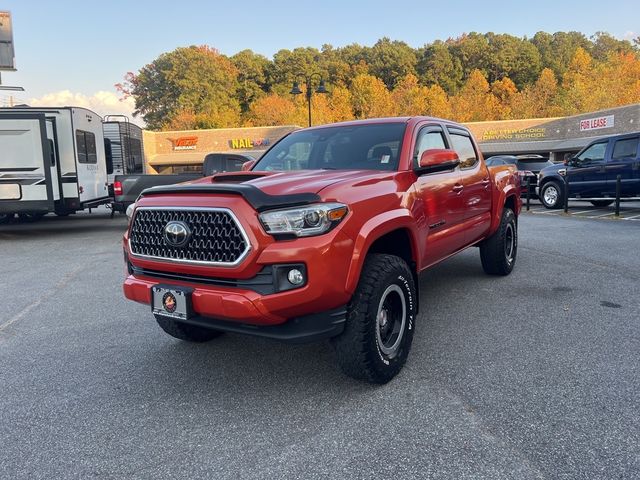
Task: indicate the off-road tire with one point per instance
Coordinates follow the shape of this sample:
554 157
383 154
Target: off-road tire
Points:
358 349
498 252
185 331
601 203
559 202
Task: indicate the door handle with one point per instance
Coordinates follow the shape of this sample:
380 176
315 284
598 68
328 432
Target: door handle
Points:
485 182
457 188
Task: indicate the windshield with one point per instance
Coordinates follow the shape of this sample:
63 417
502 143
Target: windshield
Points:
367 146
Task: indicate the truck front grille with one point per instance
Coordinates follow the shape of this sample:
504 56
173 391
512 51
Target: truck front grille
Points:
215 235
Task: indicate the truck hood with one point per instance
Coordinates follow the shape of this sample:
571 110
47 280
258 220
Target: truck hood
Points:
302 181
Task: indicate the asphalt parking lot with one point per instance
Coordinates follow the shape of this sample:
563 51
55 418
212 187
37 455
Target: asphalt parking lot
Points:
530 376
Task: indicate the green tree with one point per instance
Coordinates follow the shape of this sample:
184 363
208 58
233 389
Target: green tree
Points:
195 79
436 65
391 60
252 76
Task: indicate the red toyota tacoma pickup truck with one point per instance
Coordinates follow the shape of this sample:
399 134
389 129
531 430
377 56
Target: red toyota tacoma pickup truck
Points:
323 237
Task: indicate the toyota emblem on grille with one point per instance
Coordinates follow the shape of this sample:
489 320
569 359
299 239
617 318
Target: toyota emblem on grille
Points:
176 234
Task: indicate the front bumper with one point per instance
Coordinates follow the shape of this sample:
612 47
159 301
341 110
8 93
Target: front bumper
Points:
304 329
243 298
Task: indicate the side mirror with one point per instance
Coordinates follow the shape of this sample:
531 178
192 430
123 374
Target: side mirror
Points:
437 160
246 166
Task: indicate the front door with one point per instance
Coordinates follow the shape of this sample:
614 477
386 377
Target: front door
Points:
587 175
441 200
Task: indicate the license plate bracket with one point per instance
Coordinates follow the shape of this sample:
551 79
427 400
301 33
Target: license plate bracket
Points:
172 301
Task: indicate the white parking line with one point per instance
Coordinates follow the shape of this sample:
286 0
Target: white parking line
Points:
581 211
632 218
603 215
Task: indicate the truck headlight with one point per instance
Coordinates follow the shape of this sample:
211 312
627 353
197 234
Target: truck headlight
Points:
306 221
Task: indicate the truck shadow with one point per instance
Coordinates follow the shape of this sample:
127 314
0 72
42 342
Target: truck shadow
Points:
52 225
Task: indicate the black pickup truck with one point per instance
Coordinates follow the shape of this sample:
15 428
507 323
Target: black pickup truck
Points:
127 188
592 174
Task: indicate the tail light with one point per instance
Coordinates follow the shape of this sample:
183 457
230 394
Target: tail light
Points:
117 188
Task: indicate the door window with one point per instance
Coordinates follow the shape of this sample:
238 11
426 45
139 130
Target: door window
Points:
627 148
86 143
464 147
594 153
428 138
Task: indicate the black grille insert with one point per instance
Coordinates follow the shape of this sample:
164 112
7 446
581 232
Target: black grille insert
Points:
215 236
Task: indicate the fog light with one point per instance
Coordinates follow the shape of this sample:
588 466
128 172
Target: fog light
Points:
295 276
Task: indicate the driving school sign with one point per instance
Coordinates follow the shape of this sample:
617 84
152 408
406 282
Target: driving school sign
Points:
596 123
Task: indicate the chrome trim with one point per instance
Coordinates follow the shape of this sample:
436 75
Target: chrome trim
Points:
194 262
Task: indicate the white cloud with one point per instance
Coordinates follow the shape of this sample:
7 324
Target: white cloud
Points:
629 35
102 102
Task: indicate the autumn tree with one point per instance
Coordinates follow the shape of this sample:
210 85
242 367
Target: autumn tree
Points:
370 97
438 103
409 97
475 102
271 110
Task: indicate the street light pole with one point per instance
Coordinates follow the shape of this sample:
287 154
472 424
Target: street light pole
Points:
295 89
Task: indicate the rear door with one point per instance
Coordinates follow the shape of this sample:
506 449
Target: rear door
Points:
624 162
476 183
440 199
25 171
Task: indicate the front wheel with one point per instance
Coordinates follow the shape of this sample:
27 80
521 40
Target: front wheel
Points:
551 195
185 331
498 252
601 203
380 321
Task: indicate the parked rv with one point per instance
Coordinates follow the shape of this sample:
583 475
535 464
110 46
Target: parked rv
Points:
51 160
123 146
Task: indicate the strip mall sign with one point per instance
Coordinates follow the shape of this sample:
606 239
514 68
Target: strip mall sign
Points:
596 123
237 143
184 143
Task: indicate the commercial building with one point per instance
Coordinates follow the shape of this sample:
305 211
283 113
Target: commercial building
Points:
554 137
184 151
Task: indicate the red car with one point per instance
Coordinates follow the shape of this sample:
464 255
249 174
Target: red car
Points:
323 237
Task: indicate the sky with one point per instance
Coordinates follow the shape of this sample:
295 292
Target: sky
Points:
73 52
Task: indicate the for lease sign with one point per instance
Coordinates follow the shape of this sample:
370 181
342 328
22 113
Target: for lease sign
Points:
596 123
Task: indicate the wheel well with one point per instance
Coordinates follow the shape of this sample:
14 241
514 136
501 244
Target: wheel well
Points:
510 202
398 243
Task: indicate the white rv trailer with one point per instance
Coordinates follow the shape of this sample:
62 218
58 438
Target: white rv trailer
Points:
51 160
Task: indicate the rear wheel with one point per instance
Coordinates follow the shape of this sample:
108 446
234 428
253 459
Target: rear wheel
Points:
552 195
380 321
498 252
601 203
185 331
